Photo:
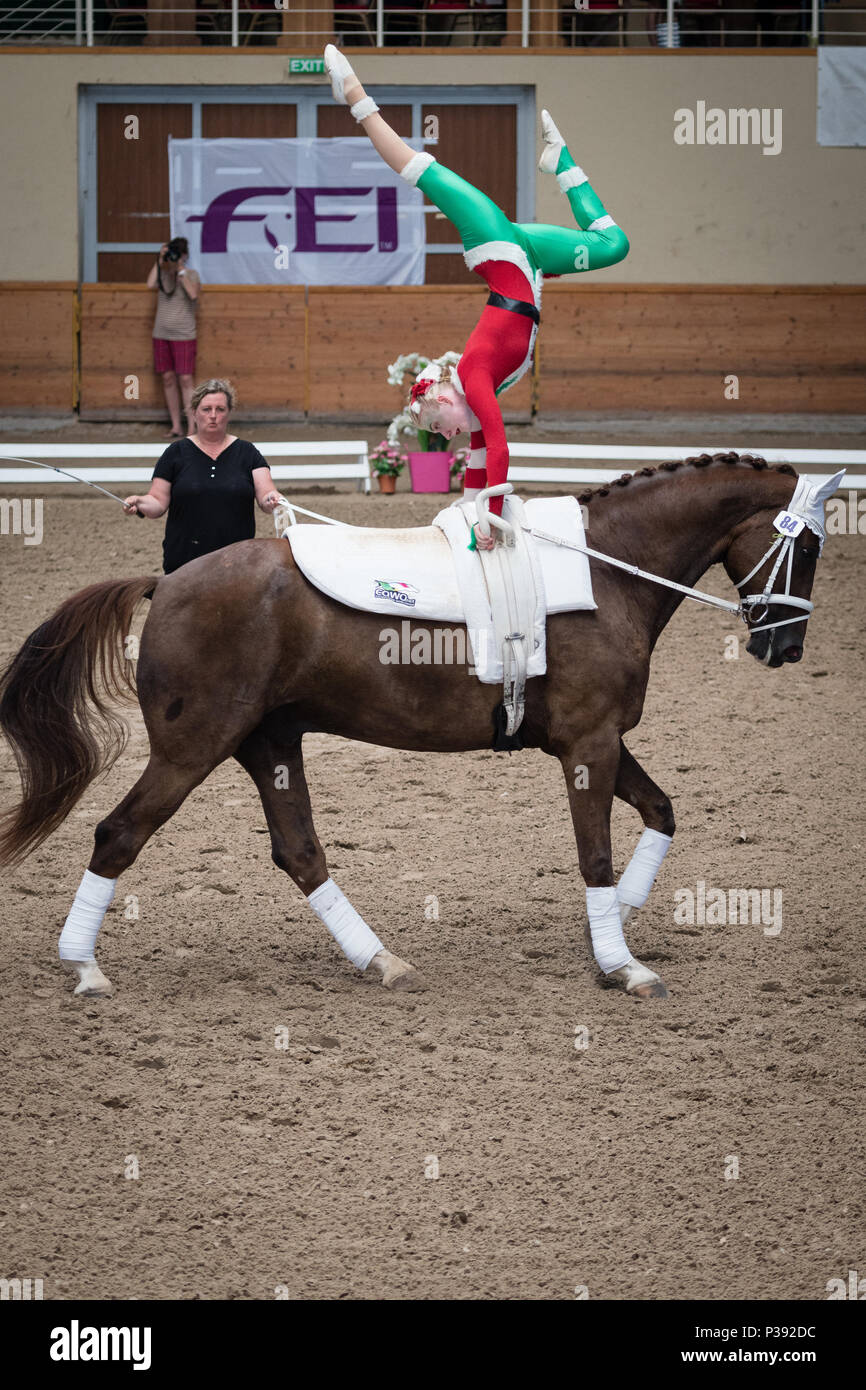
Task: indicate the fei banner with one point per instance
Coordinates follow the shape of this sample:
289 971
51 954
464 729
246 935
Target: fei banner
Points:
295 212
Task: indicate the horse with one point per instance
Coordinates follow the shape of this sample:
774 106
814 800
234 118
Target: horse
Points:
240 656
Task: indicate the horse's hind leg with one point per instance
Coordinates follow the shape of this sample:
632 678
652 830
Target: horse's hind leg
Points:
118 839
272 756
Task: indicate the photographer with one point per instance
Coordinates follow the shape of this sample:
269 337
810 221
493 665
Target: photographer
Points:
174 329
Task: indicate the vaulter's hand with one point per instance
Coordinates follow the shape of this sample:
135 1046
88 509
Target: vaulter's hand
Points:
484 542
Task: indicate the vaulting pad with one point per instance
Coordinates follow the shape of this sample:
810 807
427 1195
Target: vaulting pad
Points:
405 571
411 572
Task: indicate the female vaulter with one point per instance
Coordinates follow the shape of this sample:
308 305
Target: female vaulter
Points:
511 257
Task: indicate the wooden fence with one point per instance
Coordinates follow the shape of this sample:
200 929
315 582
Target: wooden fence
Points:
322 353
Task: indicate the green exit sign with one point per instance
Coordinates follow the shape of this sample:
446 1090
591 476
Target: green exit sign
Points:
302 65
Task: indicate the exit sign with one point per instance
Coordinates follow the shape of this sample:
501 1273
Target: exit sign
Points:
301 65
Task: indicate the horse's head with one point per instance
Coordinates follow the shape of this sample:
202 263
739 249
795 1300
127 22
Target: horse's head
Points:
771 559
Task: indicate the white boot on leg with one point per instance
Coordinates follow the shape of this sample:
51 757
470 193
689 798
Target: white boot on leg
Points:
342 77
339 69
553 143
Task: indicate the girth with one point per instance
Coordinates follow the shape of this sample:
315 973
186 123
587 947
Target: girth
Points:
515 306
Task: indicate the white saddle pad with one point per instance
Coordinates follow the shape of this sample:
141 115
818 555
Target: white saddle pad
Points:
411 571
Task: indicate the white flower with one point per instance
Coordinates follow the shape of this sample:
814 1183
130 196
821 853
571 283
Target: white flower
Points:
413 364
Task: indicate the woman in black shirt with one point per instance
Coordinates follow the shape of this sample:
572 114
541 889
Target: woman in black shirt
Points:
207 483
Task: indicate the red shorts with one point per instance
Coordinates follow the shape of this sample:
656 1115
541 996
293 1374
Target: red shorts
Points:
169 356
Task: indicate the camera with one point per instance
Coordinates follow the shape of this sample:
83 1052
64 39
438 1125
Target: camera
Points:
176 249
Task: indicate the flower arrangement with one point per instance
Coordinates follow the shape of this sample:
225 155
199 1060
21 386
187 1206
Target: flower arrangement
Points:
387 460
412 364
458 467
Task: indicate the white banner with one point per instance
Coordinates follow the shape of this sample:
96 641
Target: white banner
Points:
841 96
295 212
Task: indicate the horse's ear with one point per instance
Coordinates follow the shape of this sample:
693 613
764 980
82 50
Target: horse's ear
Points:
832 485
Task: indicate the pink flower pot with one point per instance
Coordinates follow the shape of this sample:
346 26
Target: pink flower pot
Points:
431 472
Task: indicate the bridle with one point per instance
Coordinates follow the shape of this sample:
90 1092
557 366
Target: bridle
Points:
788 527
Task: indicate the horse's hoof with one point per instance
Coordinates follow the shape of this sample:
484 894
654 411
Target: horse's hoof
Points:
92 984
396 973
656 990
411 982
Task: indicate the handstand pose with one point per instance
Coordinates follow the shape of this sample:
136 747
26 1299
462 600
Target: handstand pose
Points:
512 257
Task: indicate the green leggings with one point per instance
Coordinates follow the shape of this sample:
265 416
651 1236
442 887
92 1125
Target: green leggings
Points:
552 250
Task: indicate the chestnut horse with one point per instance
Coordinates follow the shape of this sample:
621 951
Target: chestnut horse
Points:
241 656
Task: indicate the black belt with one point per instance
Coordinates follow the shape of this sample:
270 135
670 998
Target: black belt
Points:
516 306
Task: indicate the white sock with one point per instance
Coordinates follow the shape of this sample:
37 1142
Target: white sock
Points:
363 108
640 872
346 926
605 925
81 927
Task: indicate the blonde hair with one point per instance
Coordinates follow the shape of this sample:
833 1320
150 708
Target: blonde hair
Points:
426 404
212 387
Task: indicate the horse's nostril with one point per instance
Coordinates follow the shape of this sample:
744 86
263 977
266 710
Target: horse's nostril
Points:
792 653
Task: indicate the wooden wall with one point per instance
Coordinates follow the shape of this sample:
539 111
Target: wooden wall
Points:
253 334
38 347
354 334
657 347
324 351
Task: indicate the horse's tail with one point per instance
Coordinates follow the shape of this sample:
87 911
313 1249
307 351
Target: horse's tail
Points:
54 707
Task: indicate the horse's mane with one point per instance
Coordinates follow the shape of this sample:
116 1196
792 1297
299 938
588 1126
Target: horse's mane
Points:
695 461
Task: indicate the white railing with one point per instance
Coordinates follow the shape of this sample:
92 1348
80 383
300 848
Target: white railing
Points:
356 465
353 453
413 23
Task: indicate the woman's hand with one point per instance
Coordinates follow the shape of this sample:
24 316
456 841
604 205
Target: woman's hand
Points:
146 505
484 542
270 502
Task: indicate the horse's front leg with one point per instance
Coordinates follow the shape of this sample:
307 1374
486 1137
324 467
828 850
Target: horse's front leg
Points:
591 766
637 788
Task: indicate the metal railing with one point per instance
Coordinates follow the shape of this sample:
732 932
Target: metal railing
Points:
401 23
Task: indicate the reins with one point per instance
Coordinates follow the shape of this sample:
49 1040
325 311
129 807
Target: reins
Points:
743 609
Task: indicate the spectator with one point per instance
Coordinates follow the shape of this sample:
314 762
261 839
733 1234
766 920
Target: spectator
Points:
174 329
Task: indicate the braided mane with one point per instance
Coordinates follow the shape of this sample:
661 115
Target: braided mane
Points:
695 461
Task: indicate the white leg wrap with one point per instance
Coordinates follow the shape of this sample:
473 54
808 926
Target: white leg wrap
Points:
608 942
571 178
417 165
365 107
640 873
346 926
81 927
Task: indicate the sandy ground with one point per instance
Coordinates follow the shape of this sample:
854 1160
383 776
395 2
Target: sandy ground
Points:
309 1167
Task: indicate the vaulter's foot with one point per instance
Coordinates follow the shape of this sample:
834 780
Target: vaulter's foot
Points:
344 82
553 145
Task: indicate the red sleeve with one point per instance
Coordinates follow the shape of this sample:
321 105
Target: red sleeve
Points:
481 399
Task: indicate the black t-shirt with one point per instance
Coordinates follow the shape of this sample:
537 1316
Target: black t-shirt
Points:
212 500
